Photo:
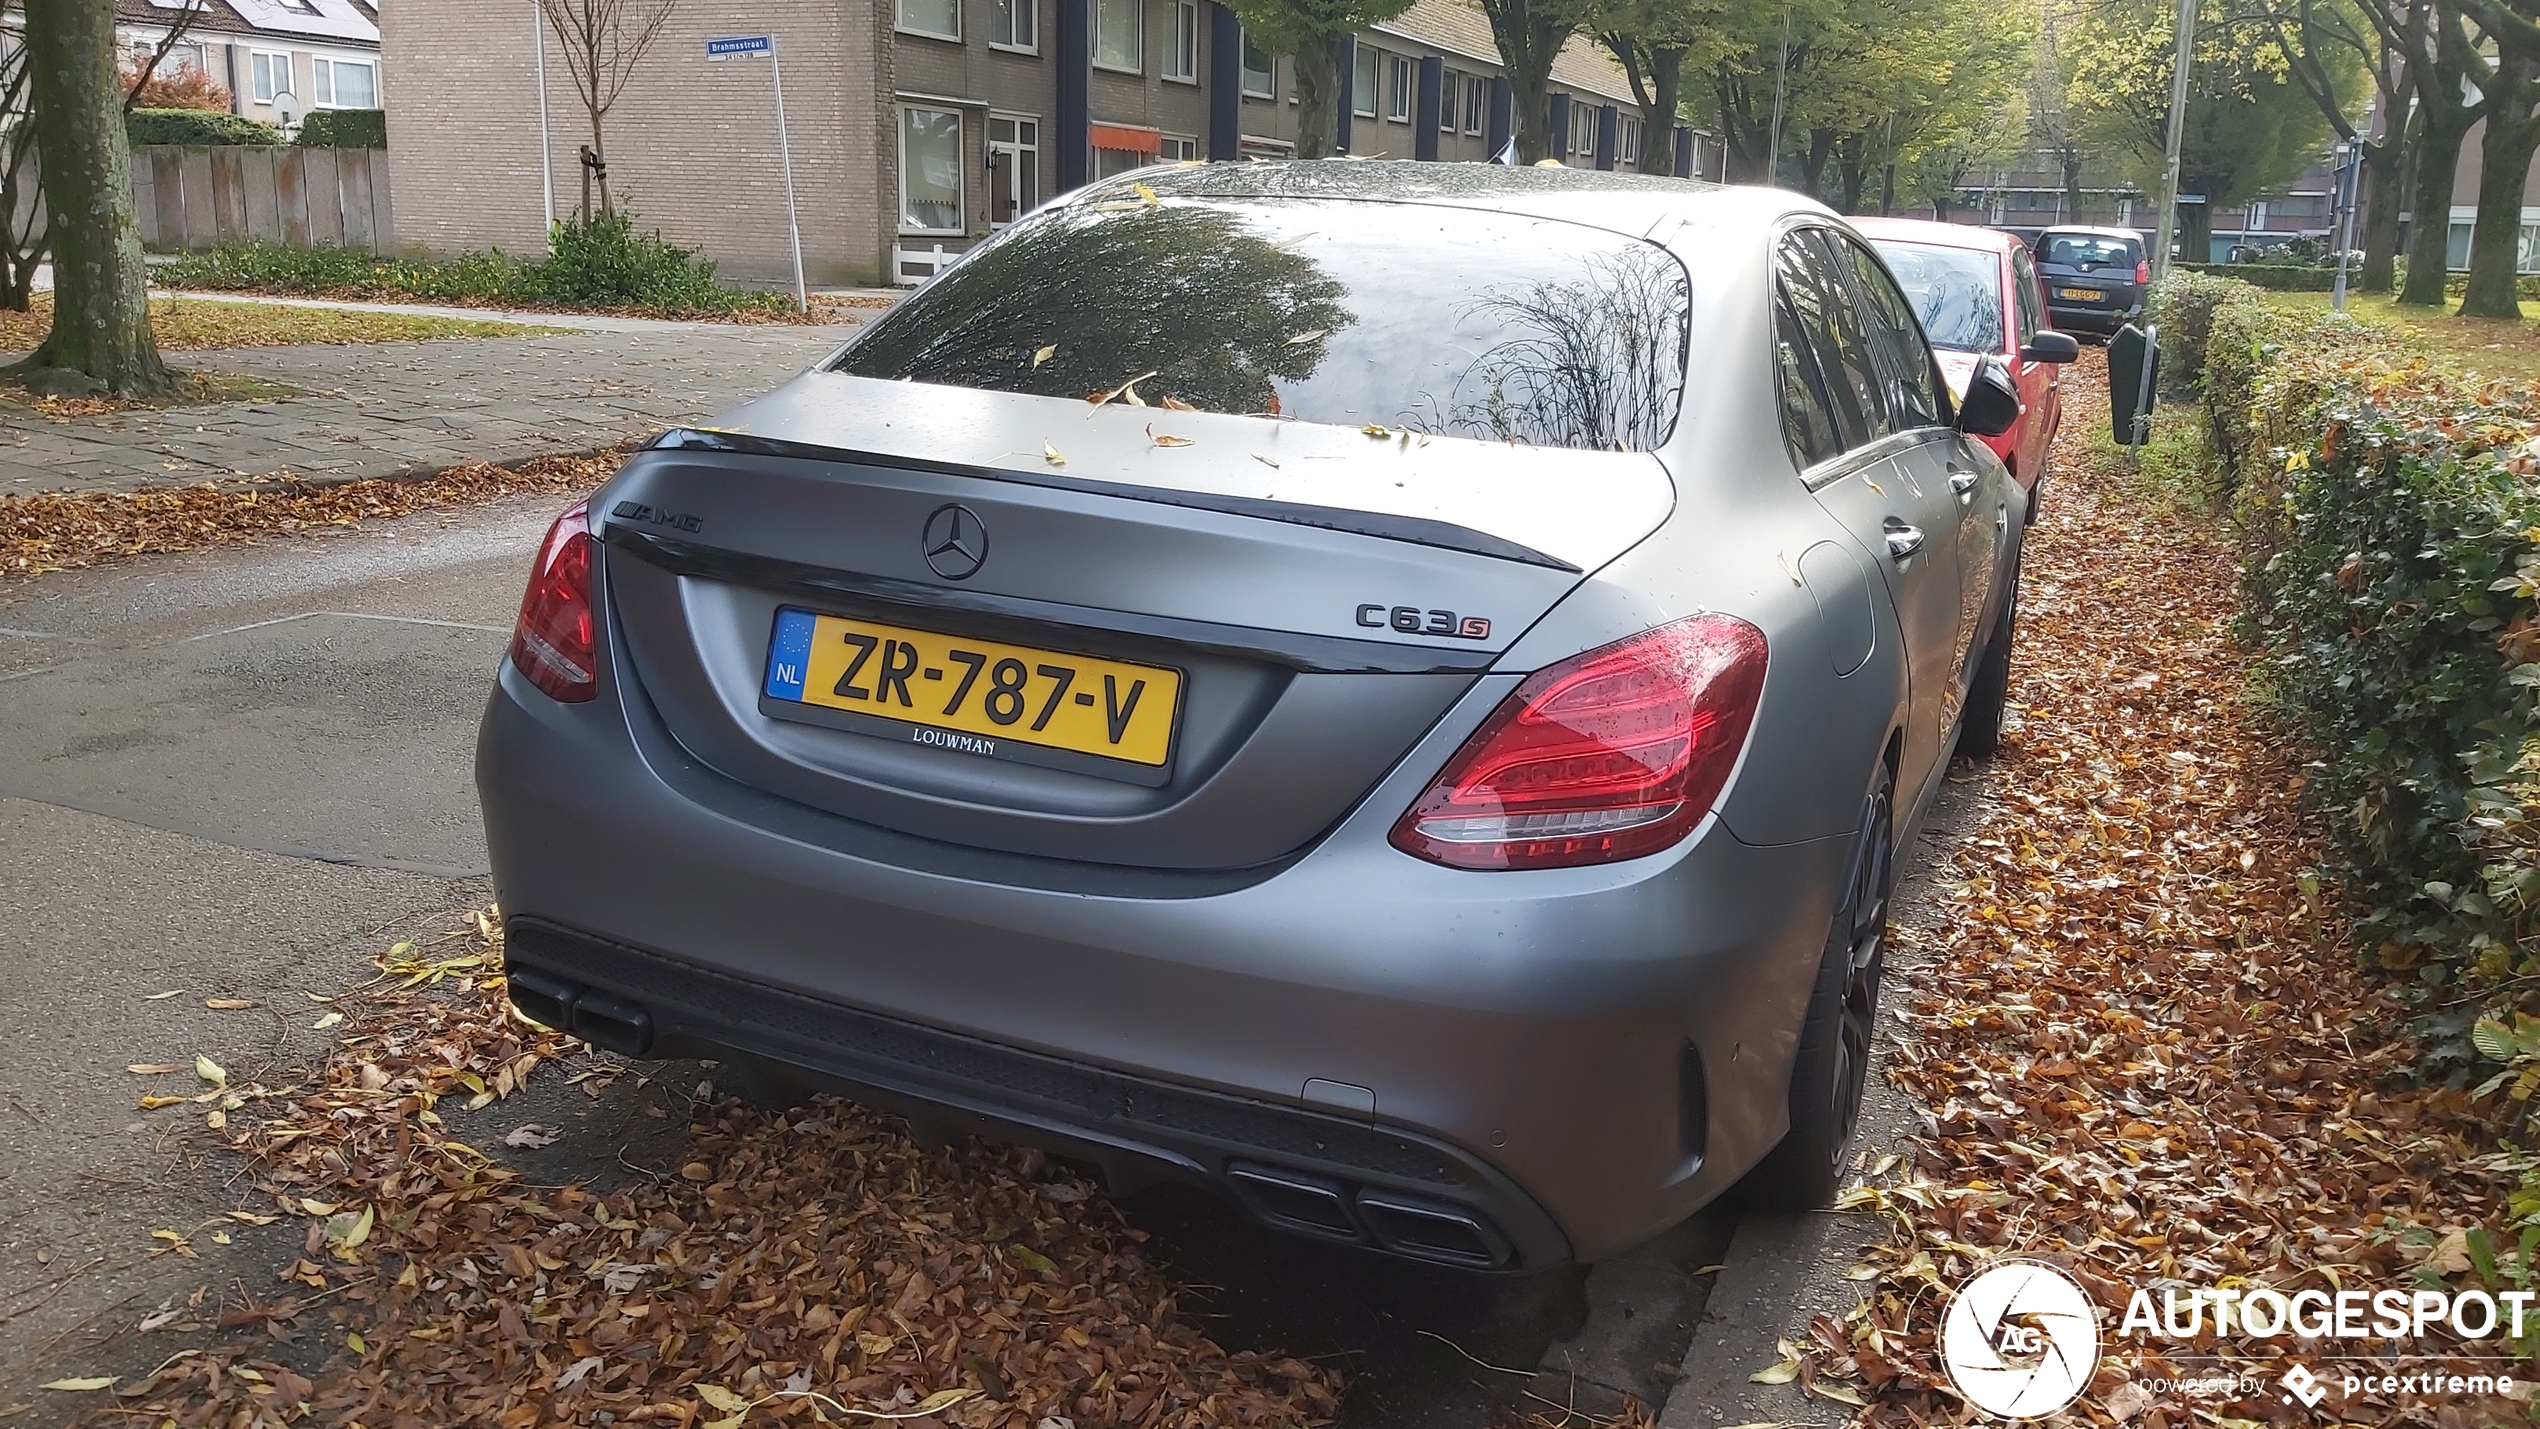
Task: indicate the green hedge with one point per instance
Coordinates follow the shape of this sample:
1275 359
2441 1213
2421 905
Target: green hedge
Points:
344 129
2277 277
605 263
196 126
2390 529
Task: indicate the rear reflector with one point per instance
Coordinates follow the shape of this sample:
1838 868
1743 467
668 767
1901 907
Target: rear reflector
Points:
1608 755
555 642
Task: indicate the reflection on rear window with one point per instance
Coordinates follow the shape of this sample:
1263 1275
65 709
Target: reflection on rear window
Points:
1433 319
1957 292
2077 250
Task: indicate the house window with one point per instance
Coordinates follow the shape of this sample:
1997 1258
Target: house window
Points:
939 18
342 84
1181 149
1108 162
1016 25
1582 127
1014 167
930 170
1398 89
1451 96
269 74
1362 81
1627 143
1476 94
1181 61
1258 79
1118 43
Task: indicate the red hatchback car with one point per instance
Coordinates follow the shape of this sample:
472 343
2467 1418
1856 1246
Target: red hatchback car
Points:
1977 292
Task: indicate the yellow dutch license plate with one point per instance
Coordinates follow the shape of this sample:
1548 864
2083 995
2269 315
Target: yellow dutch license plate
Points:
978 696
2082 295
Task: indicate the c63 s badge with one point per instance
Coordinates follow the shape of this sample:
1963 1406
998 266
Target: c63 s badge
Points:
1411 620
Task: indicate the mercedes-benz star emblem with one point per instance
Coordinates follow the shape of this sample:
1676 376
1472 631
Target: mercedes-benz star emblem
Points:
956 542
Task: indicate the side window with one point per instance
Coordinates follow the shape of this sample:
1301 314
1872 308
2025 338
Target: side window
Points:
1844 346
2025 294
1807 412
1914 387
1822 413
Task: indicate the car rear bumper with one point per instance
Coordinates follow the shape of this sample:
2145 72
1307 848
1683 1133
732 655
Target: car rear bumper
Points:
1494 1070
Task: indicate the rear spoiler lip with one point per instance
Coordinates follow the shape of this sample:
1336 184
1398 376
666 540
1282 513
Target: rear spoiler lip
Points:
1413 530
1030 619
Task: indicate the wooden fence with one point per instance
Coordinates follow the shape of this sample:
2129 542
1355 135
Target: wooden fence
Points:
191 196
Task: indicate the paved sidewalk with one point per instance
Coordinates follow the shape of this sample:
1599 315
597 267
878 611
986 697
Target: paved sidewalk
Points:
389 409
593 322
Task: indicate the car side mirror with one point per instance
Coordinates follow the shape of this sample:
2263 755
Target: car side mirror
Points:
1992 404
2051 347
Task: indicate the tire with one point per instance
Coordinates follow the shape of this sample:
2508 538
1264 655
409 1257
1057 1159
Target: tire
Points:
1826 1081
1980 724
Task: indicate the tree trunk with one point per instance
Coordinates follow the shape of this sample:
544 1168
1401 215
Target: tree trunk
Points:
2383 192
2495 241
2438 157
2071 163
1317 99
2196 223
1853 177
1820 148
599 164
1887 189
1658 117
101 295
1530 114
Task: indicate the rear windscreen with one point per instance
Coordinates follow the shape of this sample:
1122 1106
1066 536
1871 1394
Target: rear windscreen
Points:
2080 251
1428 319
1957 292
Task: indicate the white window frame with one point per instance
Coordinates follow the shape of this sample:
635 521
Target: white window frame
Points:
1020 20
1582 126
1013 149
1181 149
1400 89
961 165
1181 53
322 80
899 22
1137 40
1243 72
1627 142
1366 72
1476 103
273 59
1450 101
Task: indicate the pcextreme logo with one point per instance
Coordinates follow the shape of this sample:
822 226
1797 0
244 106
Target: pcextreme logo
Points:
2021 1340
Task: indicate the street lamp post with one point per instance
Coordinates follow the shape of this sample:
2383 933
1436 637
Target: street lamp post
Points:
2349 163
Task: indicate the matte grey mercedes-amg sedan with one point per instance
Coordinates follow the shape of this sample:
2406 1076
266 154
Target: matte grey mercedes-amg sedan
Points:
1387 689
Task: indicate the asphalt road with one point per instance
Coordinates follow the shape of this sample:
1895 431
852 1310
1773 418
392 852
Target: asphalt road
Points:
241 773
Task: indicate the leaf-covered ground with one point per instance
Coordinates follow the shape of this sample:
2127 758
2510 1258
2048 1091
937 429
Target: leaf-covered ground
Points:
2140 1045
68 530
186 325
797 1267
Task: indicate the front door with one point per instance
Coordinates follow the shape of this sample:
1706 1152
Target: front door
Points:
2041 383
1014 167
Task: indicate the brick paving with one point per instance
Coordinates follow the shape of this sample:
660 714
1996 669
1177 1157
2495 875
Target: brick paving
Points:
397 408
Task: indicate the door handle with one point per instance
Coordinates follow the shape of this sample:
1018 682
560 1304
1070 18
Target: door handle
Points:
2002 518
1961 480
1902 540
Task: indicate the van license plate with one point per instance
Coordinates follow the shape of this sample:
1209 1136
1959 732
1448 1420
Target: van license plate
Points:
2081 295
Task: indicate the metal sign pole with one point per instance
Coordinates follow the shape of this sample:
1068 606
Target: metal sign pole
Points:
785 147
751 47
2185 56
2347 173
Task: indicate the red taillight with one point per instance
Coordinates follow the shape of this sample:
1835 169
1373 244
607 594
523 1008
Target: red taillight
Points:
1608 755
2143 270
554 643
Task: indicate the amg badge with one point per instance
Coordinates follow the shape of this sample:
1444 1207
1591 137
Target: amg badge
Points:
1411 620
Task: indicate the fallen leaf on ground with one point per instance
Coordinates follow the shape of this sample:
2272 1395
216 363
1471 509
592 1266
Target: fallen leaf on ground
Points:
532 1135
153 1069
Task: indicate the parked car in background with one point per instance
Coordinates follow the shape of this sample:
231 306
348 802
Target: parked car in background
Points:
1431 768
1978 295
2096 278
2027 236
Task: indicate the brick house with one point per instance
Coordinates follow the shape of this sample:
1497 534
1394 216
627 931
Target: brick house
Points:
309 54
921 124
